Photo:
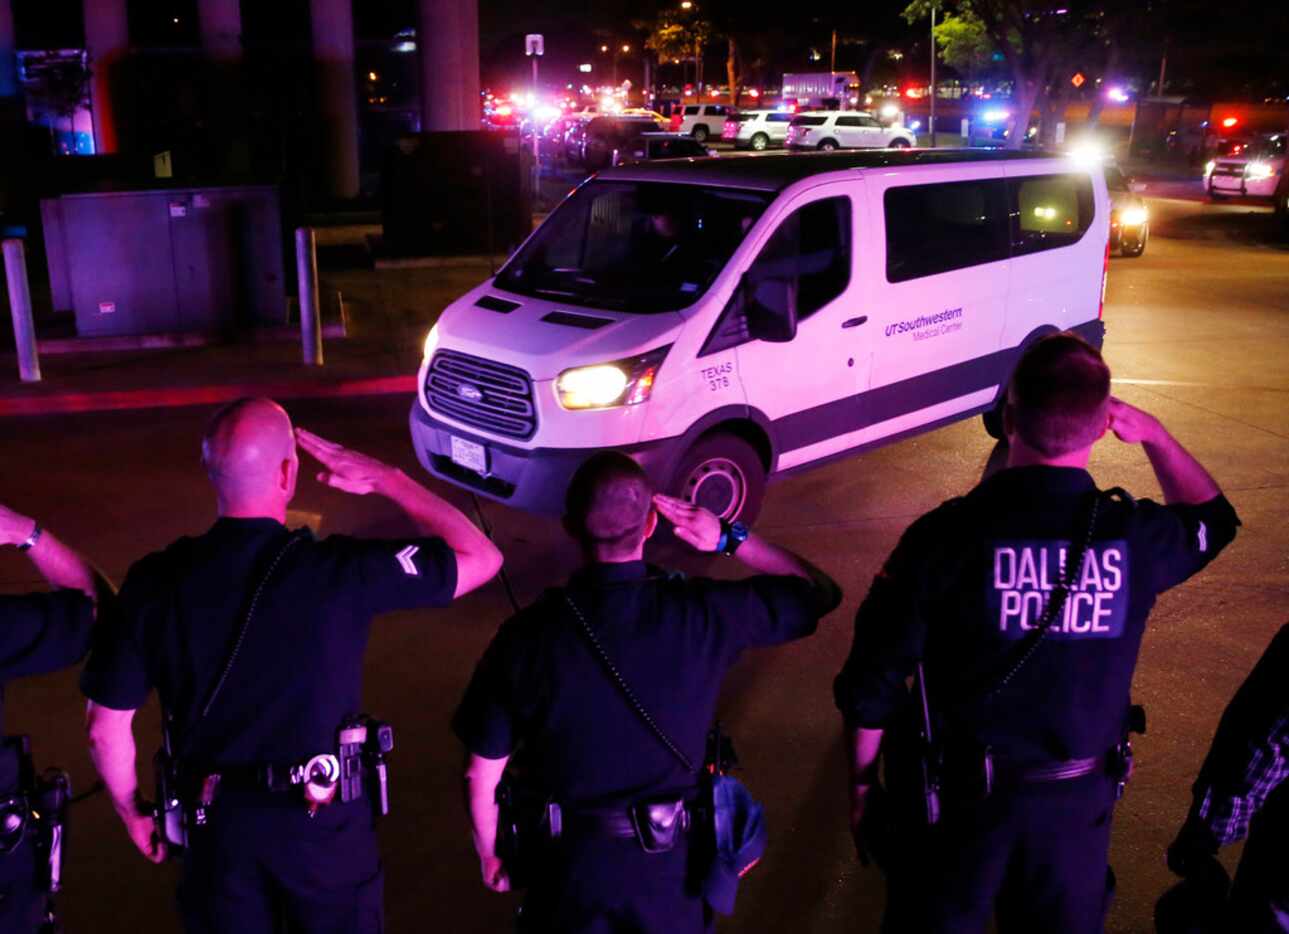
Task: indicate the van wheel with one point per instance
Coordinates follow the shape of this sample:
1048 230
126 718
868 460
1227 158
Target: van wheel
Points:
701 133
899 144
993 419
1214 196
828 145
724 474
760 142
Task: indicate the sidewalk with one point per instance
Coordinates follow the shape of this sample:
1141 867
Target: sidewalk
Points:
209 375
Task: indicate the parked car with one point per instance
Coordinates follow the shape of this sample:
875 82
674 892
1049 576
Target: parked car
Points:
701 121
1129 219
650 146
1257 171
604 136
756 129
726 320
845 129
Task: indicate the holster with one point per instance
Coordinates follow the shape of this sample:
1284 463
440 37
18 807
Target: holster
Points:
169 815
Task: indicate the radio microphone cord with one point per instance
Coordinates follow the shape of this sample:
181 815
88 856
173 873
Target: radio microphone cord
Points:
487 530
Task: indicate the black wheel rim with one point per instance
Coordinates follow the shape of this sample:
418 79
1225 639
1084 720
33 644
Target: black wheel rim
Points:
719 485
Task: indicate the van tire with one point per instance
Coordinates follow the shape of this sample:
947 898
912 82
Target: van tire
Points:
723 473
760 142
701 133
993 419
828 145
1214 196
899 144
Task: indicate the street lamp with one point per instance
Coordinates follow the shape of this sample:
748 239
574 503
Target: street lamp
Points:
686 5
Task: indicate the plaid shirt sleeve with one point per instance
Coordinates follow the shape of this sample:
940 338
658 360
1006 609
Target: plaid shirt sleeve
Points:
1250 753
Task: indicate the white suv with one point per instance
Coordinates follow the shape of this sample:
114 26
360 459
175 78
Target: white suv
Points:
756 129
700 120
846 129
1258 171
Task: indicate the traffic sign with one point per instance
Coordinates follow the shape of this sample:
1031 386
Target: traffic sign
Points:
1078 79
534 44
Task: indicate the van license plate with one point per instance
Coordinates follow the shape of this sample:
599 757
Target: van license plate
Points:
469 455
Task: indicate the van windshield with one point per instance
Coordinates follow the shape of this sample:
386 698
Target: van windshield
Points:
641 247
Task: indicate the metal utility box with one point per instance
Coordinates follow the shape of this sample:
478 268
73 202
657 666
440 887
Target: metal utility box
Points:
164 261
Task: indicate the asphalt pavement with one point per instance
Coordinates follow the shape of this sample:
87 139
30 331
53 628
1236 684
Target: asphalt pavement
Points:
1198 332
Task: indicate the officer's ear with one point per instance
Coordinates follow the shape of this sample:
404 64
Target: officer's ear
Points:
1009 420
651 524
288 474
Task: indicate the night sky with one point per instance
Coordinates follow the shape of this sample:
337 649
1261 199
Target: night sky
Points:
1245 45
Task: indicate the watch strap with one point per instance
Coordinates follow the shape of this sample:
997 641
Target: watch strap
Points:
34 537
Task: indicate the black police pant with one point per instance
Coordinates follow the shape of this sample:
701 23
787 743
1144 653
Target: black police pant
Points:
611 886
24 905
264 867
1036 854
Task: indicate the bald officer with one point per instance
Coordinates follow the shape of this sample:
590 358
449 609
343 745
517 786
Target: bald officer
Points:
253 636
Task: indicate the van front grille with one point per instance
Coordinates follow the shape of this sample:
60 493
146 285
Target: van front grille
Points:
478 392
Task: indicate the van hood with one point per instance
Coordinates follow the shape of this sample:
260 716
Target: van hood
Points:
546 337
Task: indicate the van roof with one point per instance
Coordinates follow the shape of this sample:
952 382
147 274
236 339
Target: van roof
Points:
776 171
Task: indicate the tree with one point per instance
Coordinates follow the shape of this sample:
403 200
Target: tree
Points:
1042 44
680 34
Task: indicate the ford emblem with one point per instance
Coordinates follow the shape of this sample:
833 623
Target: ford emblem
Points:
470 393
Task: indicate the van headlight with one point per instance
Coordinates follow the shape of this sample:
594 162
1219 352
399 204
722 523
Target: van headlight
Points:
1209 166
604 385
431 342
1257 171
1132 217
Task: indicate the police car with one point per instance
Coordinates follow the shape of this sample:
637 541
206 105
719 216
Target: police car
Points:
729 320
1255 171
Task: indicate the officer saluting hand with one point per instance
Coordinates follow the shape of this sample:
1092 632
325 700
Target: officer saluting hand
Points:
253 636
1024 604
39 632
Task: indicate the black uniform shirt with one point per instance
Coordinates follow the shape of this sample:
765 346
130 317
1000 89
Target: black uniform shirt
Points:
671 638
299 670
970 579
40 632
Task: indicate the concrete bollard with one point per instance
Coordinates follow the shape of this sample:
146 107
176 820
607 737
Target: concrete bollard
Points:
24 330
306 271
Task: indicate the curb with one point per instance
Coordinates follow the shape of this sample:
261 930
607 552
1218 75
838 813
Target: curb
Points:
133 399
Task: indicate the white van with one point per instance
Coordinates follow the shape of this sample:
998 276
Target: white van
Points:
728 320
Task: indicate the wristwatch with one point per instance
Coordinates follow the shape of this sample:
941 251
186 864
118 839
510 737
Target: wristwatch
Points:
733 534
34 537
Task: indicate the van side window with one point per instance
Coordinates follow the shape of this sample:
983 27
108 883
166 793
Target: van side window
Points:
809 256
936 228
691 110
1049 211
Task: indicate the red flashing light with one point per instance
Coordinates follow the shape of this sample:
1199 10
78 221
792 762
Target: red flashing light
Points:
1229 122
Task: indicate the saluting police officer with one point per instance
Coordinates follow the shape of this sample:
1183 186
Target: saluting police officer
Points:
39 632
1024 602
542 686
253 636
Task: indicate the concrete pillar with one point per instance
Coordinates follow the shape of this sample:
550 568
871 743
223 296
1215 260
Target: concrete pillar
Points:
333 55
447 42
107 39
8 53
221 29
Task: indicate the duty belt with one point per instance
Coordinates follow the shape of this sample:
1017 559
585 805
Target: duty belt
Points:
1062 771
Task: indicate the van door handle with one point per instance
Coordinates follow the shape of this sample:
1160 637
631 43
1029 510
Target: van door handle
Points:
854 322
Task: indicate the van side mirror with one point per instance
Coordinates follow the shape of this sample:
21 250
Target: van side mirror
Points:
770 307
